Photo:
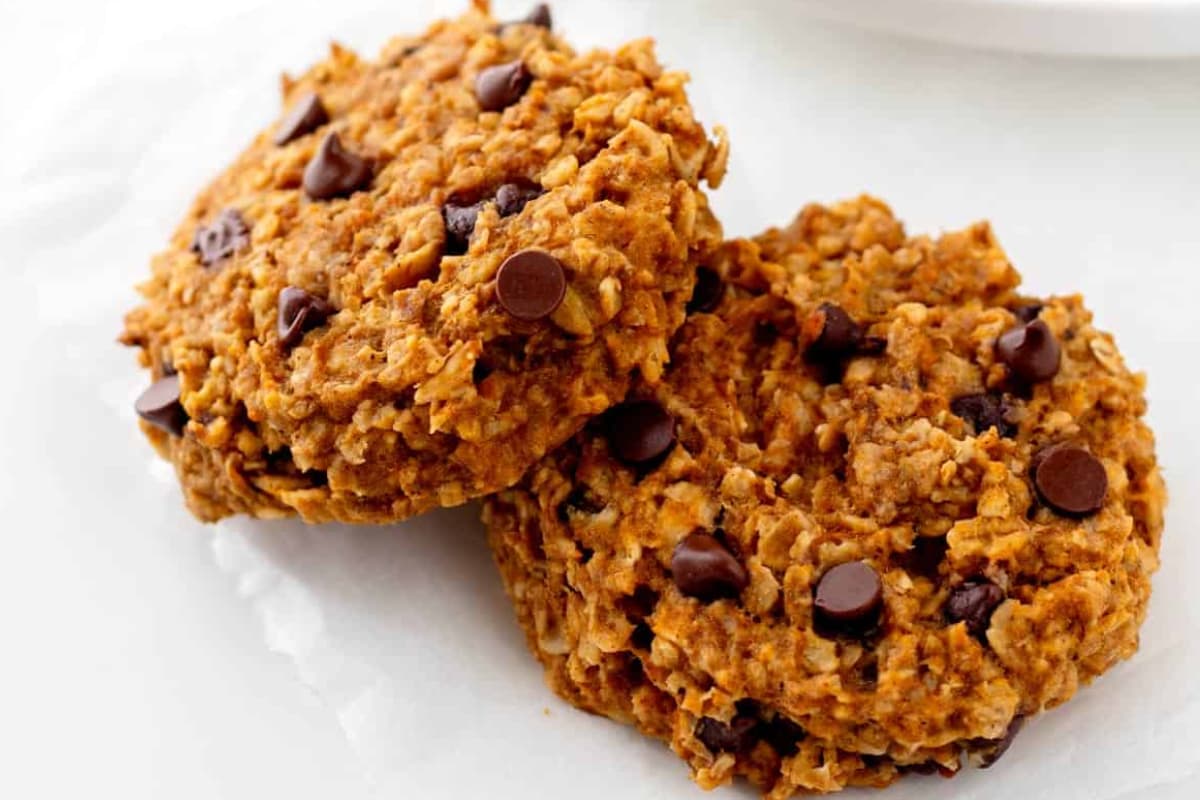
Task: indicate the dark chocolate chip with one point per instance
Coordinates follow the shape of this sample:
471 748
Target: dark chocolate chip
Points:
512 197
305 116
973 602
830 334
704 568
531 284
925 556
540 16
720 737
639 431
849 597
642 636
299 312
1031 351
159 405
985 411
999 747
335 171
1070 480
1028 313
221 238
783 735
707 294
500 86
460 224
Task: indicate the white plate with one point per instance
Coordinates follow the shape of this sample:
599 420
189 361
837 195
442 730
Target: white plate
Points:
1125 28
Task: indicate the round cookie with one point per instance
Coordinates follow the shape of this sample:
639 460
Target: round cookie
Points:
881 510
429 272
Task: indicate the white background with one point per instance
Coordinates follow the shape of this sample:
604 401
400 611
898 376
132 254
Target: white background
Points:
143 655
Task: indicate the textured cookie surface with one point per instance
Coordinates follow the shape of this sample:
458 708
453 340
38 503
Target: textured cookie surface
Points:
895 509
333 317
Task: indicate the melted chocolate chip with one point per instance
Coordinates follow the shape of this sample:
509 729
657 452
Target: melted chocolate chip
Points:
999 747
512 197
704 568
531 284
460 224
500 86
830 333
783 735
984 412
720 737
299 312
305 116
221 238
1070 480
1028 313
160 406
335 171
640 431
540 16
973 602
925 556
849 597
707 294
1030 351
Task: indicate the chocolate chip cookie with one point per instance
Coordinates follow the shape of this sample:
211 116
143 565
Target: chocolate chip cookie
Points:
431 270
882 509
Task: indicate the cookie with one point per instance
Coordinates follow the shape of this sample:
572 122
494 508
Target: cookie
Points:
882 509
431 270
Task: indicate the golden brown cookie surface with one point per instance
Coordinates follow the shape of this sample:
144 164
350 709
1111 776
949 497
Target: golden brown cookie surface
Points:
353 337
880 510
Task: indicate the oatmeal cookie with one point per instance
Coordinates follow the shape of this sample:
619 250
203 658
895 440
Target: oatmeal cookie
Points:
429 272
882 509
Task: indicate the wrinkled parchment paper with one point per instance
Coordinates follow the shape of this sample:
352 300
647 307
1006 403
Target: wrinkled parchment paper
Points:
1087 168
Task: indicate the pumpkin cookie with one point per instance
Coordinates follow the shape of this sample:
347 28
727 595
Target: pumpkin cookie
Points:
881 510
429 272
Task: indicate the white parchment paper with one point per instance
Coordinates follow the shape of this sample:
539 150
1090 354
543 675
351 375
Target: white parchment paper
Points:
1088 170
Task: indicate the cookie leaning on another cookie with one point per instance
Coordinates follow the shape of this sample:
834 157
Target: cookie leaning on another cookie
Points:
433 269
881 509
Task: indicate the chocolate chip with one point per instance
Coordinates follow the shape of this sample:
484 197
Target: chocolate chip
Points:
221 238
1030 351
305 116
707 294
704 568
159 405
999 747
985 411
1070 480
540 16
531 284
925 556
720 737
460 224
973 602
783 735
500 86
640 431
1028 313
335 171
512 197
849 597
830 333
299 312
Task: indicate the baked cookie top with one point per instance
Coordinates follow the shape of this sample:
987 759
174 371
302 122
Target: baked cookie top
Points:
430 271
880 510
